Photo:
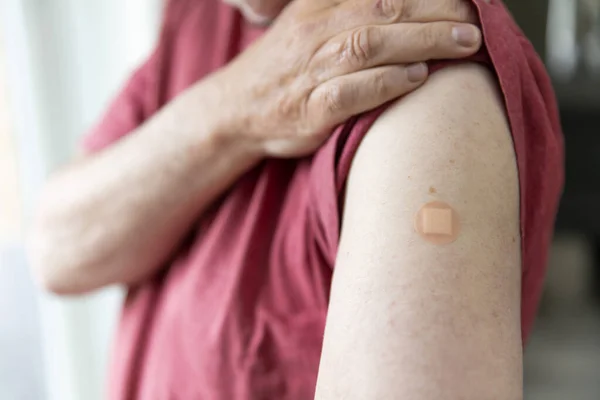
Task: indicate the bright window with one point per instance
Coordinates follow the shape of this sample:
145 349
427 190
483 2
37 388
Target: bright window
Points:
10 212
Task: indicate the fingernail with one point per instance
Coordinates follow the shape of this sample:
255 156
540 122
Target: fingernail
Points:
416 72
466 36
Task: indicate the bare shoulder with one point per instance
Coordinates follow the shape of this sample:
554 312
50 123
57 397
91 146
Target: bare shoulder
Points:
434 321
449 140
459 115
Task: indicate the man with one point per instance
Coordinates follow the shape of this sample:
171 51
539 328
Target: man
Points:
219 189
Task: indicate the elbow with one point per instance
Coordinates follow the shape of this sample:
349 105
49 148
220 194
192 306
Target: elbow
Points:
52 282
52 269
58 263
58 270
49 276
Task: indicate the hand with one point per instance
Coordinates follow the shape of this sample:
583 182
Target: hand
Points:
326 60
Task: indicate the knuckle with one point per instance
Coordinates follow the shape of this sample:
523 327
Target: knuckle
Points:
405 9
429 37
333 99
388 9
357 48
287 108
464 10
379 85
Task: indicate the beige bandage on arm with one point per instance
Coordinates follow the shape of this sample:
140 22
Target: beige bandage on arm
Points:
437 223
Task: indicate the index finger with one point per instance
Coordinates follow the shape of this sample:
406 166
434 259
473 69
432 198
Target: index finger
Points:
389 11
351 14
436 10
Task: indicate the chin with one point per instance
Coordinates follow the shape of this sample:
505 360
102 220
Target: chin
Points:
249 14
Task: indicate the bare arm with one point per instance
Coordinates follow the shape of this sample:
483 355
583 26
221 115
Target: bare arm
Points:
413 320
116 216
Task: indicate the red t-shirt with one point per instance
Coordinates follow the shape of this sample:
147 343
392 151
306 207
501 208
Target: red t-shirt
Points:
239 313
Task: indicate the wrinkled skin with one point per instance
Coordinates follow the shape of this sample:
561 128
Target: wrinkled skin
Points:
323 61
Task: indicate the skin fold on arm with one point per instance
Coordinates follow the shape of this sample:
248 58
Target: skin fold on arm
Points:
409 319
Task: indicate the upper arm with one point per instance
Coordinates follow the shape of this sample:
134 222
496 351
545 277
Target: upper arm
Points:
409 319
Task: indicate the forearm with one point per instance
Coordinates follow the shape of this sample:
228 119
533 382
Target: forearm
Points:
116 216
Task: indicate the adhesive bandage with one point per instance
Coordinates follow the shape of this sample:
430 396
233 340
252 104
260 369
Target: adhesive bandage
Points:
437 223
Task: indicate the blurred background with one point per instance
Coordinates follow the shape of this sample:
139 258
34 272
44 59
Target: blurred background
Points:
60 63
